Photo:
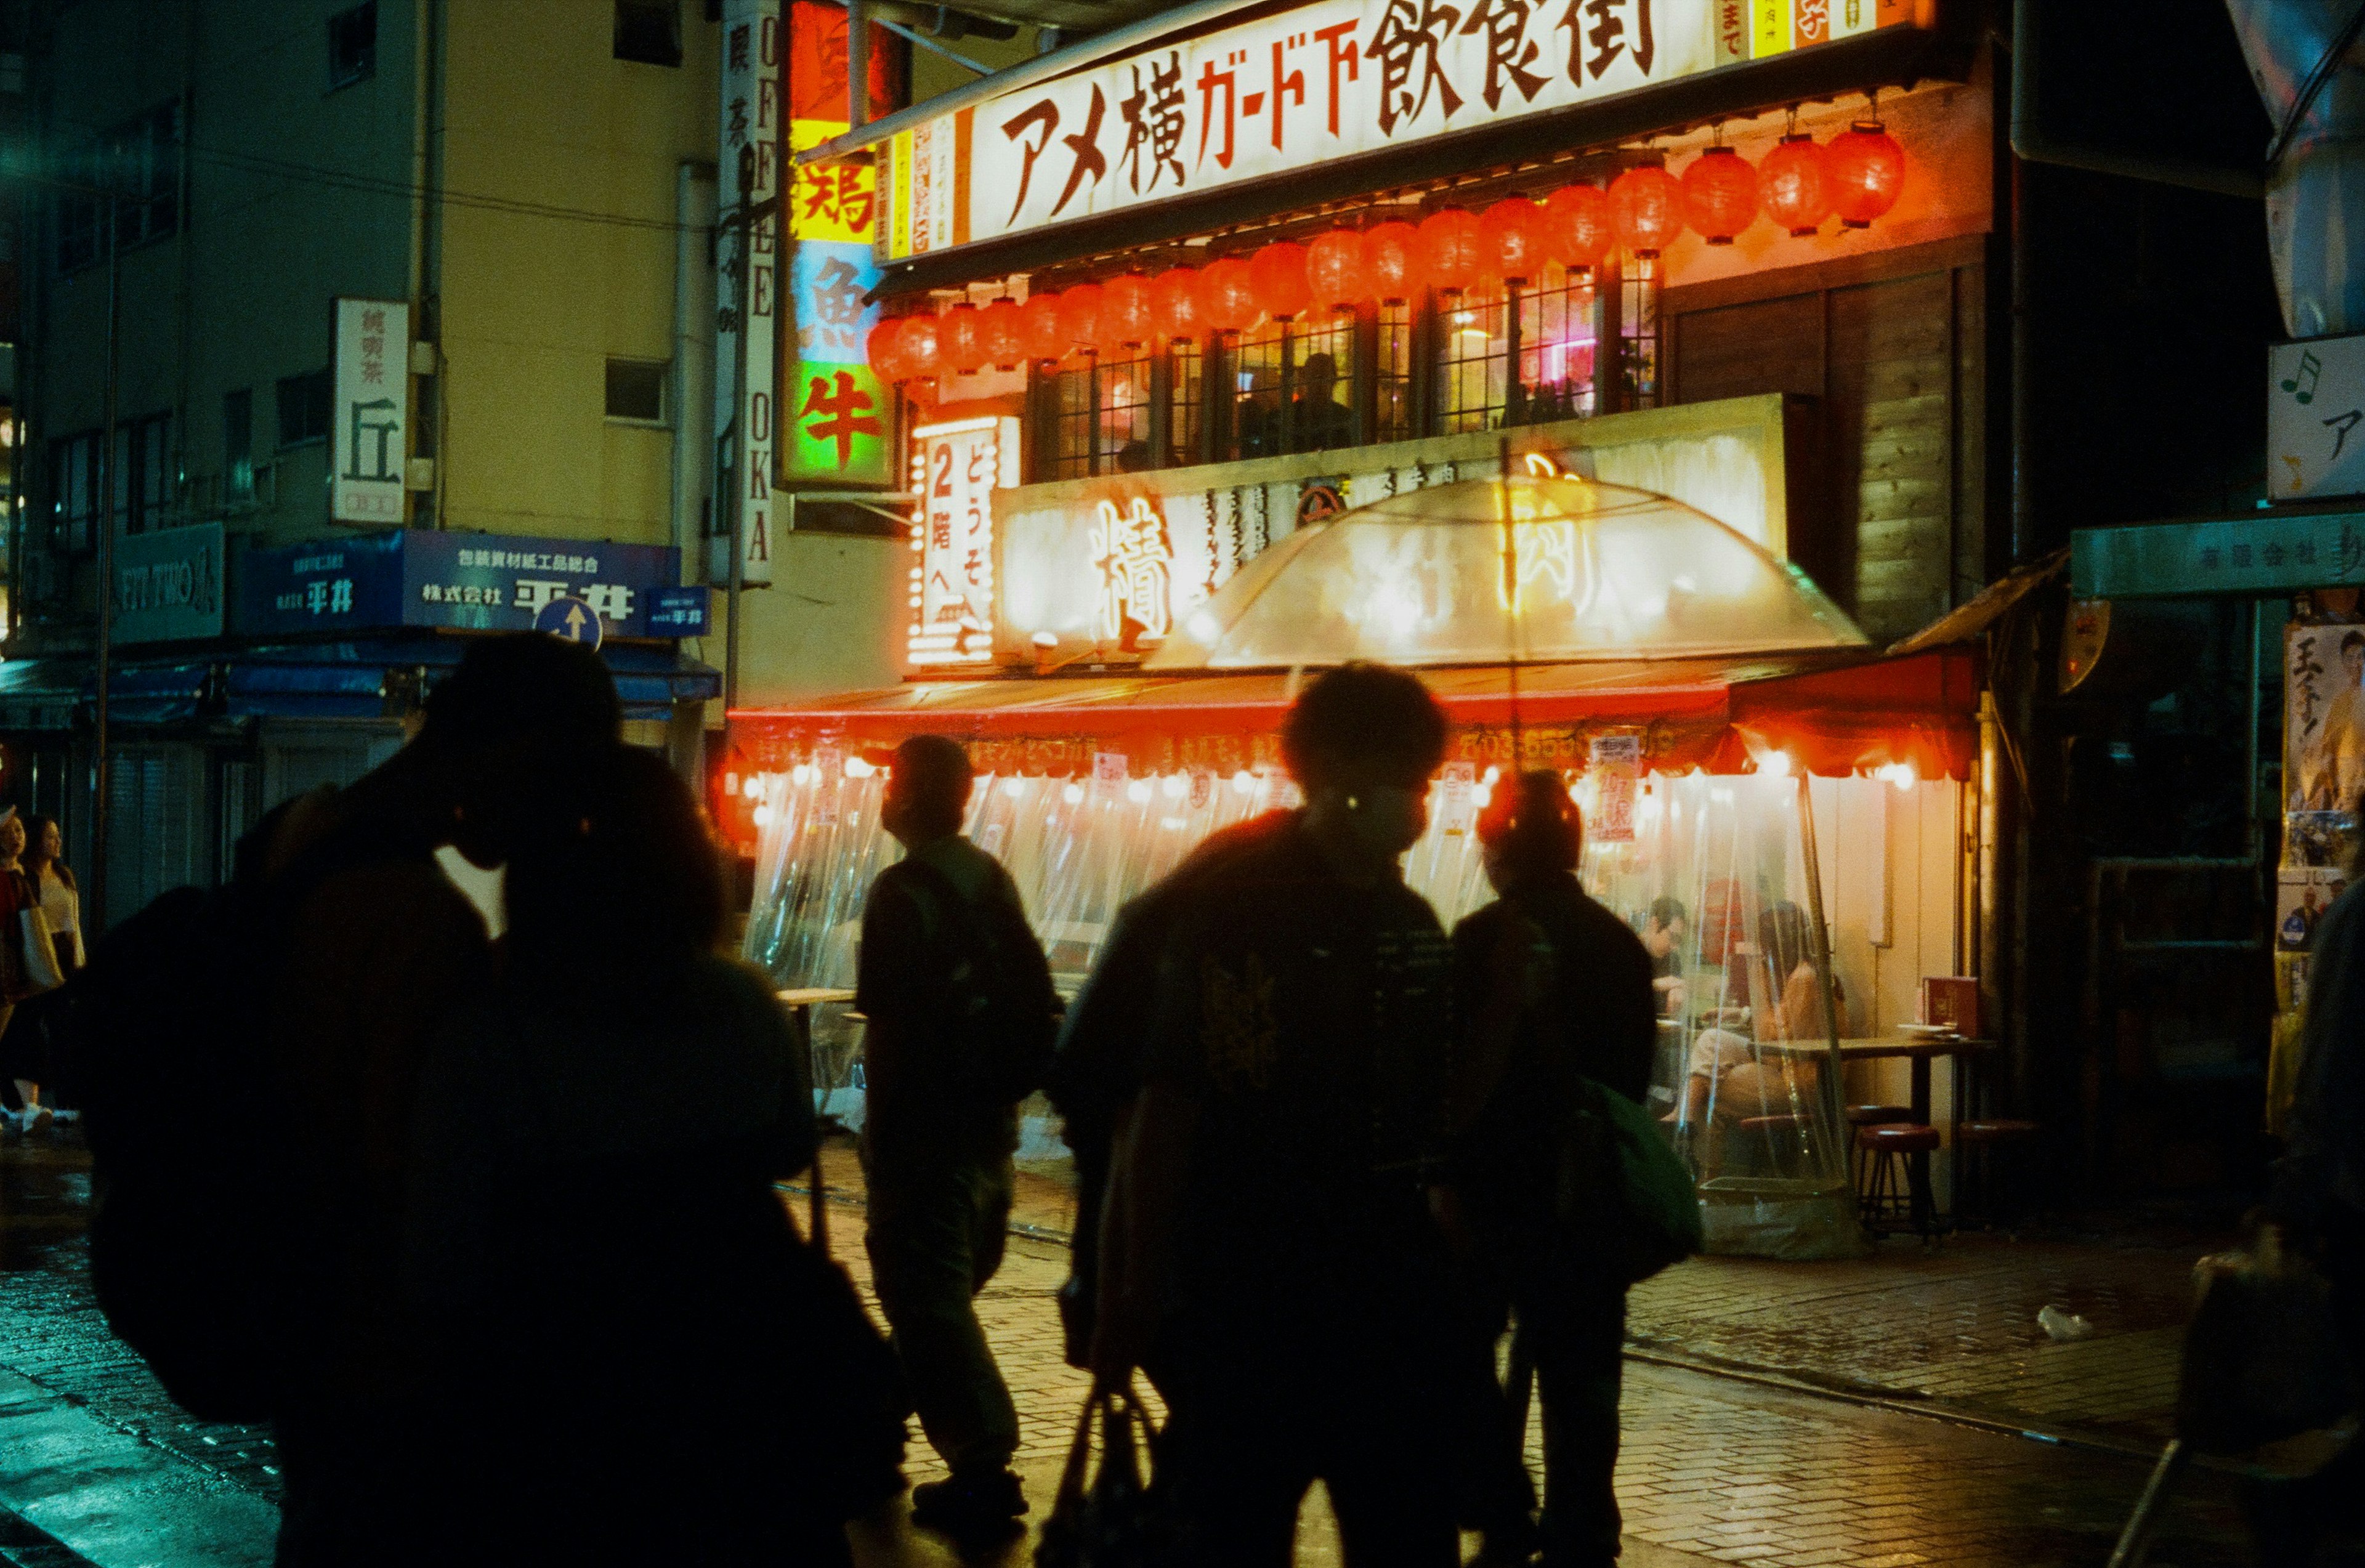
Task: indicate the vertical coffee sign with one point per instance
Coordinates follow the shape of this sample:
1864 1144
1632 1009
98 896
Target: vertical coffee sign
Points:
838 413
747 289
369 423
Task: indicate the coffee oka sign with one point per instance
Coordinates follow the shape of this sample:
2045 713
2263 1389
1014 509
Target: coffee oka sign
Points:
1319 82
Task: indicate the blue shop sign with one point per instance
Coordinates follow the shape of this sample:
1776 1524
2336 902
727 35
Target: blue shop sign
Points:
679 613
473 582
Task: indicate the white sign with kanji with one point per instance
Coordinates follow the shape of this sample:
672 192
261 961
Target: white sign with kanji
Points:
369 420
955 468
1616 770
746 290
2315 417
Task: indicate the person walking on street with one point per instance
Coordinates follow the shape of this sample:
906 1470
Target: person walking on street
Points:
24 1041
621 1079
962 1014
1596 1019
1268 1242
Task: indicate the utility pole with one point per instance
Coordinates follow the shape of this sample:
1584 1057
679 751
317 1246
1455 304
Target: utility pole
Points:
111 479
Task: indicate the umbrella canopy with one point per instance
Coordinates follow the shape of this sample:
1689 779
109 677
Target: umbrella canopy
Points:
1527 570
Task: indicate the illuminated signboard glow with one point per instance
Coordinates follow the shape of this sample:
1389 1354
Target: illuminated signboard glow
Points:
955 468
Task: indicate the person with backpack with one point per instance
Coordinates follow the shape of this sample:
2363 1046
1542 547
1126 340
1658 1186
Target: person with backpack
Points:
1269 1245
1593 1021
961 1020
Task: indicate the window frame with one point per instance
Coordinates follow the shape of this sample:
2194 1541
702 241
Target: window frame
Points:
647 10
365 68
326 395
663 418
238 446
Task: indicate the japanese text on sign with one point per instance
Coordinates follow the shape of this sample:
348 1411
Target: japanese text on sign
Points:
1321 81
369 421
955 468
746 256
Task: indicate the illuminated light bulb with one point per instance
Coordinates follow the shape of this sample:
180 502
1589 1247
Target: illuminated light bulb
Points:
1774 765
1244 782
1576 793
1492 774
1174 787
1014 788
1073 794
1138 792
857 767
763 816
803 773
1480 794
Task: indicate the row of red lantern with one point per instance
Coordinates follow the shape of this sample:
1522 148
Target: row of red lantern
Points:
1857 176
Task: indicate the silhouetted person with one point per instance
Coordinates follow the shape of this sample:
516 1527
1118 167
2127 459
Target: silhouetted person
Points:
619 1305
381 950
1318 421
1268 1242
1595 1019
1100 1055
941 1125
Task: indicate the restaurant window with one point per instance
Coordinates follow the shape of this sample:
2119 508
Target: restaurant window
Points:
1255 393
352 45
1321 353
1473 360
1121 427
303 407
1638 332
1071 396
649 31
238 446
1392 373
1186 399
1558 331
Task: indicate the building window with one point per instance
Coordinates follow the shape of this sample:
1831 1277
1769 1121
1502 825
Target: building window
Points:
238 446
1067 392
1319 415
1121 428
636 391
78 217
149 478
352 45
649 31
1186 402
141 162
1473 360
1392 373
1255 393
1559 328
1638 332
303 407
74 489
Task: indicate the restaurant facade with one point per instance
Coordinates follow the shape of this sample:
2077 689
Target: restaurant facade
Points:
1622 366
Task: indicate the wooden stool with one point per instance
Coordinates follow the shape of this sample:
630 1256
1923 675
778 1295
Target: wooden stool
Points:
1857 1118
1899 1195
1976 1144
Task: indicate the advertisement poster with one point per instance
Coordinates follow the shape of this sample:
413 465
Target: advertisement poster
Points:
2324 772
369 422
955 467
1617 773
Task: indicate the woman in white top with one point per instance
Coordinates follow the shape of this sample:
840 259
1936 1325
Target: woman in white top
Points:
51 885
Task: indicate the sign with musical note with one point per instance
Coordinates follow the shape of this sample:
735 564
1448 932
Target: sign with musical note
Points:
2315 405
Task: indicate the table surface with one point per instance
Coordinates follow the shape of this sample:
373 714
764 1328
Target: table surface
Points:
814 995
1889 1047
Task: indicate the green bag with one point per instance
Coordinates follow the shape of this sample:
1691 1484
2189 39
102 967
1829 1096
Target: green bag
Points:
1624 1200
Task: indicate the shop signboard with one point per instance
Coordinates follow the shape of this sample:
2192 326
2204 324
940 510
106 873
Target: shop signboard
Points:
955 468
747 286
679 612
2315 403
168 585
369 421
477 582
1617 773
1309 85
2266 552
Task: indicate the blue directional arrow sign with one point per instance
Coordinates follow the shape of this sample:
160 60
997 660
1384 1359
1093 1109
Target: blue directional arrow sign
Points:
571 619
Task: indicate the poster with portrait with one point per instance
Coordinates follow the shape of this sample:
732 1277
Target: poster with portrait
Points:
2324 741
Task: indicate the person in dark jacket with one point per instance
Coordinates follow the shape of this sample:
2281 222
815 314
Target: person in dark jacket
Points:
937 1155
1100 1062
1269 1242
1595 1019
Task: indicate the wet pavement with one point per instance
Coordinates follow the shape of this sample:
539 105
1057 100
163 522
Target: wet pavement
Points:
1788 1466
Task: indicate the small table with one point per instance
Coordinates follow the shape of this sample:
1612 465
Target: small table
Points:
1920 1050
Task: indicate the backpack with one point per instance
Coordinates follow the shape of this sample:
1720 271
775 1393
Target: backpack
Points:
999 1014
190 1245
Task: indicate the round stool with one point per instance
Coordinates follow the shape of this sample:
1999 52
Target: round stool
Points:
1858 1116
1898 1197
1976 1147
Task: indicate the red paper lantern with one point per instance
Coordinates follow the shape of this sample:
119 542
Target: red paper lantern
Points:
1720 194
1577 231
882 350
1646 209
1513 232
1124 322
1177 311
1000 328
964 346
1795 183
1229 287
1394 253
1337 269
1867 172
1041 331
1279 273
1080 317
1452 251
923 348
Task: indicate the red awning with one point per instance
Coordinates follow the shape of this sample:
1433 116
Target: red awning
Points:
1835 713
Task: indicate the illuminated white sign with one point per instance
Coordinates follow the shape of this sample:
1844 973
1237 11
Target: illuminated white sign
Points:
369 423
955 467
1319 82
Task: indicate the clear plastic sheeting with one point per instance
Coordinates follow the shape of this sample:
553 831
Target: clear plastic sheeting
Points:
1533 569
1745 1082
